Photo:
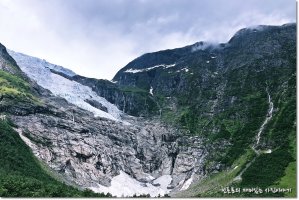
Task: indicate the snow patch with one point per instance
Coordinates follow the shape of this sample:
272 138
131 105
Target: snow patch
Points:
151 91
268 151
168 66
149 68
113 81
187 183
123 185
185 69
164 181
133 71
72 91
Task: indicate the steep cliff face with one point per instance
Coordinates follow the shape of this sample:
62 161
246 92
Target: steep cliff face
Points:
131 100
167 70
168 120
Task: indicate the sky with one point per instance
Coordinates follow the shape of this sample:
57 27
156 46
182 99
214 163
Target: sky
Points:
96 38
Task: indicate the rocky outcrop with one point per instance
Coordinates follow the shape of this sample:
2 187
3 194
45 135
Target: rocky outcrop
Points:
131 100
91 151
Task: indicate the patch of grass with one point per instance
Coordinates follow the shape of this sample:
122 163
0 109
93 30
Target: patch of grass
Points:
13 81
15 88
289 180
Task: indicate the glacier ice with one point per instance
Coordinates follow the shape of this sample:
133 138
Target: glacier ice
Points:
40 71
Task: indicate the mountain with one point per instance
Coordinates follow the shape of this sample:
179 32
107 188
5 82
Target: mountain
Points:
95 145
187 122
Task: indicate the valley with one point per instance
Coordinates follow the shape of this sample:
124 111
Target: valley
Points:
183 122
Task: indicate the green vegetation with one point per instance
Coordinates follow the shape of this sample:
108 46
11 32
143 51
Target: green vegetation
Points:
239 125
14 87
266 169
289 180
133 89
21 175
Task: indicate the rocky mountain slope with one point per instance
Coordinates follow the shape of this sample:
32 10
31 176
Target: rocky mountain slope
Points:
94 149
184 122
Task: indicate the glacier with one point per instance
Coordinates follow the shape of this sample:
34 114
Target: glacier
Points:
40 71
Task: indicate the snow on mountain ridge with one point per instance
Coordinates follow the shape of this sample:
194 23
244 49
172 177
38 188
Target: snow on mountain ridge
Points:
75 93
149 68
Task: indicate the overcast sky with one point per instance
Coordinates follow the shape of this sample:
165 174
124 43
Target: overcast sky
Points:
96 38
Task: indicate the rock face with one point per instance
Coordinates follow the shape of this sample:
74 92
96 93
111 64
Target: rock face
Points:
169 71
91 151
131 100
175 116
7 63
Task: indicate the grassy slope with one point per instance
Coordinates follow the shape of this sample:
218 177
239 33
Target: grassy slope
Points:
14 87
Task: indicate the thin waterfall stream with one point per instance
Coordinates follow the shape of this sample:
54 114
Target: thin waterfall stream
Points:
258 137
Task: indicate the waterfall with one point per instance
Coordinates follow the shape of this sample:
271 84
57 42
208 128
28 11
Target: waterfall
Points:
268 118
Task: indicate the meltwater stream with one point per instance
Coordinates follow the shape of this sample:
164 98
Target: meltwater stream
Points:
268 118
258 137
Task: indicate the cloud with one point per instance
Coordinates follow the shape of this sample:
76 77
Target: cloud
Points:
97 38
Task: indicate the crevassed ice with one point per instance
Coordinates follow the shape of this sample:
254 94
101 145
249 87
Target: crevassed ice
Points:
44 63
149 68
123 185
72 91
